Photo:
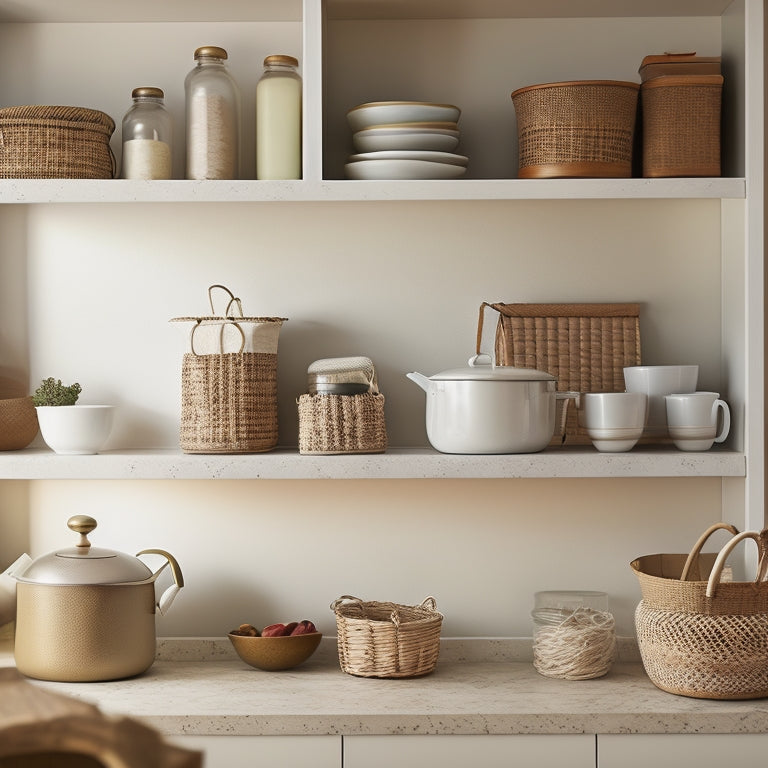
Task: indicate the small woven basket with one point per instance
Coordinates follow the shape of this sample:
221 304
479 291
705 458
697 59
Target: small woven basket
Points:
332 424
698 636
39 142
576 129
387 639
18 423
681 125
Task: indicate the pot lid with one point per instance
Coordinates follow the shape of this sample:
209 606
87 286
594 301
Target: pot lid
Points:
478 370
84 564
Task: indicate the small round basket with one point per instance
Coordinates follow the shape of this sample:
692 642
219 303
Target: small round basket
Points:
18 423
386 639
576 129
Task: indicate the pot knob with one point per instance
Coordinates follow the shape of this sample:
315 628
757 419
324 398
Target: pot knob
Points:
83 525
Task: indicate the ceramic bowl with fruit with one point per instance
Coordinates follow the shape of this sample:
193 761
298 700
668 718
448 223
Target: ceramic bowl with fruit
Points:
276 647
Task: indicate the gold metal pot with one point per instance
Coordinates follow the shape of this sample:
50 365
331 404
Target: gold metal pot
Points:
86 614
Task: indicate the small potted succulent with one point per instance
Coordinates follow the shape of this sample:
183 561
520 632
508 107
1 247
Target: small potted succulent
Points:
66 427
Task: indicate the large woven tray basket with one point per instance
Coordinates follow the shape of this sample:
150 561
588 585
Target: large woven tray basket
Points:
387 639
41 142
584 346
229 398
700 636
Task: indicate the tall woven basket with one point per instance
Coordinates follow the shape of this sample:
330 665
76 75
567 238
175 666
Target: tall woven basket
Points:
229 398
41 142
700 636
387 639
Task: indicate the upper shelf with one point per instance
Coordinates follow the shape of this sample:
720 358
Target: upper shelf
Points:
121 191
291 10
396 463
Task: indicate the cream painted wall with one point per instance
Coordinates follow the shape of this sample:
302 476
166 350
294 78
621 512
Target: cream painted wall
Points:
266 551
401 282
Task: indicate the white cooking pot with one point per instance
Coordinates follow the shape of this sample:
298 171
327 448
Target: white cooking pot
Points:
485 408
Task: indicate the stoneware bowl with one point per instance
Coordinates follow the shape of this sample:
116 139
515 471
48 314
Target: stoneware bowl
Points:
275 653
75 429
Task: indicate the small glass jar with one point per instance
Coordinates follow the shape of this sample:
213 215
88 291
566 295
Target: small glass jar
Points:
574 636
212 117
147 134
278 119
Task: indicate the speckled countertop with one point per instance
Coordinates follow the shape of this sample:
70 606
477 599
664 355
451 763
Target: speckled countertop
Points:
198 686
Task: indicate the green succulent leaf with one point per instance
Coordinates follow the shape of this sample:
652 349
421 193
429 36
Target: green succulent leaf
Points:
52 392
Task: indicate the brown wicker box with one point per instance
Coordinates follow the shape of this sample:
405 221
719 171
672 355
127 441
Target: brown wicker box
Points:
658 65
681 125
39 142
582 128
585 346
387 639
331 424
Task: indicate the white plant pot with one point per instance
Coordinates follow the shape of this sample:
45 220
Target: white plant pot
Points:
75 429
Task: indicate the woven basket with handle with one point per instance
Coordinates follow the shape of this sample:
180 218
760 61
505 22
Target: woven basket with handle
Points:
700 636
387 639
584 346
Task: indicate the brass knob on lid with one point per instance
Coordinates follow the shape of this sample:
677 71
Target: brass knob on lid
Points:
82 524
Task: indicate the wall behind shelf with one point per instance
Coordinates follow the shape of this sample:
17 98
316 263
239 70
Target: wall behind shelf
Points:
400 282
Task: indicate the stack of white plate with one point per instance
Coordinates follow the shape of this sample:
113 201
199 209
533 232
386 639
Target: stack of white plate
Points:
405 140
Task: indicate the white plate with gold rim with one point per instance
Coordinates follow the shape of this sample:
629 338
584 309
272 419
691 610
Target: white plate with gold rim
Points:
379 170
433 157
381 112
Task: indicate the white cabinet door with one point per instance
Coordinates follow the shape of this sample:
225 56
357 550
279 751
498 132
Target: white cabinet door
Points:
517 751
259 751
677 750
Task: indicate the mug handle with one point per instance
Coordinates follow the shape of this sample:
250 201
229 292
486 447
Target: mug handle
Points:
723 406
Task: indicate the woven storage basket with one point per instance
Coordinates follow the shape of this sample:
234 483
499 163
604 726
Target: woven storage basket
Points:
331 424
39 142
681 125
18 423
576 129
699 636
387 639
585 346
229 398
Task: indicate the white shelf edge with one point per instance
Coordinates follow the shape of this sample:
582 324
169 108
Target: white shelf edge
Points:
180 191
395 463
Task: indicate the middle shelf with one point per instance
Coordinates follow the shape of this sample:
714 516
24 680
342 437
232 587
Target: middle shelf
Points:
396 464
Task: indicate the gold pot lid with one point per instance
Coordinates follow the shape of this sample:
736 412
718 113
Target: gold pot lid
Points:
84 564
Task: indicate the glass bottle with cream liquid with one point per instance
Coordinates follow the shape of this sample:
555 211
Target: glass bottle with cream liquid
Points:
278 119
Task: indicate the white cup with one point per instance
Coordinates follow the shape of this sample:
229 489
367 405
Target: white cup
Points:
656 381
614 420
693 418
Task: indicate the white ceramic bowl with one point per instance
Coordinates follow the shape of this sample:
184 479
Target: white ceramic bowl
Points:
381 112
402 169
384 139
75 429
394 154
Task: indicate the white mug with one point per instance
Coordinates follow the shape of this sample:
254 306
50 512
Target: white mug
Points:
614 420
692 420
656 381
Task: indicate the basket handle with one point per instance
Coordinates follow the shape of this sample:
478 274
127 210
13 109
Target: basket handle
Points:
429 603
717 568
336 604
221 337
694 553
232 300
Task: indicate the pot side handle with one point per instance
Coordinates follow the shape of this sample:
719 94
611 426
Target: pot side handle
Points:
164 603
